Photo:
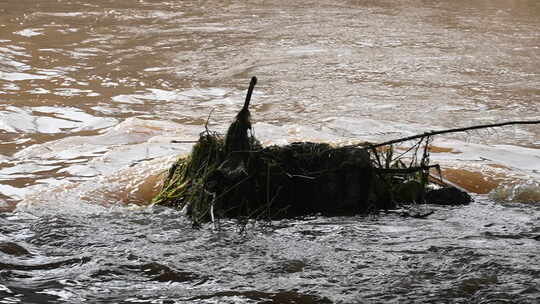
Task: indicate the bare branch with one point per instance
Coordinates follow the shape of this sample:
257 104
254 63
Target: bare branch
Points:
455 130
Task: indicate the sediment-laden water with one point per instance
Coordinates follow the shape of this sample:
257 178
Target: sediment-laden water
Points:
93 92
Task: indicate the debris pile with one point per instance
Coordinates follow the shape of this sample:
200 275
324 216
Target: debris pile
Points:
234 176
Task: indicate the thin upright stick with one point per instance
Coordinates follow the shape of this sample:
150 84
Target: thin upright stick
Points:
250 91
237 138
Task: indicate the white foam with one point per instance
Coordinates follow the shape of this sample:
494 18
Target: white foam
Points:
17 76
59 120
30 32
525 192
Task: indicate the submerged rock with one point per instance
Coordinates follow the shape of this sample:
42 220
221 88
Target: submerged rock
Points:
450 196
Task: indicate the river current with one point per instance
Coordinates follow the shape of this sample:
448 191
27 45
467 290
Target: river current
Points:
93 92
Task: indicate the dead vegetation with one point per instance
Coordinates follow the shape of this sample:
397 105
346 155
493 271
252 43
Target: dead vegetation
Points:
233 176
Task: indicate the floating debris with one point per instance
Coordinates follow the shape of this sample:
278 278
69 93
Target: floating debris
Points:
236 177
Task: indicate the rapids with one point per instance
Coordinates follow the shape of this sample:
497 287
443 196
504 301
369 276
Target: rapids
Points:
93 92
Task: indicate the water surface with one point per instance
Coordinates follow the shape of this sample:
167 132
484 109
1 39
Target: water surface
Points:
91 95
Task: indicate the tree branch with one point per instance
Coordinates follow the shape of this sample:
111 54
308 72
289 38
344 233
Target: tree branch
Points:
431 133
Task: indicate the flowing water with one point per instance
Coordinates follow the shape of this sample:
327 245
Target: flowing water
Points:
93 92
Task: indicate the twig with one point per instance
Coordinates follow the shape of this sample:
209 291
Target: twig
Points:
431 133
298 175
208 120
406 170
408 150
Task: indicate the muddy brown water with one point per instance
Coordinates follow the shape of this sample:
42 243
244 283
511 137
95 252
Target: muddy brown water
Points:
93 92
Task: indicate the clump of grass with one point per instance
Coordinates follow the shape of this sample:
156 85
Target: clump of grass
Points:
187 182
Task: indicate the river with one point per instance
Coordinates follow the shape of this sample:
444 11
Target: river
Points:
93 92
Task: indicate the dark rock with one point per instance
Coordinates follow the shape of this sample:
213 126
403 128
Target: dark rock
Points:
448 196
